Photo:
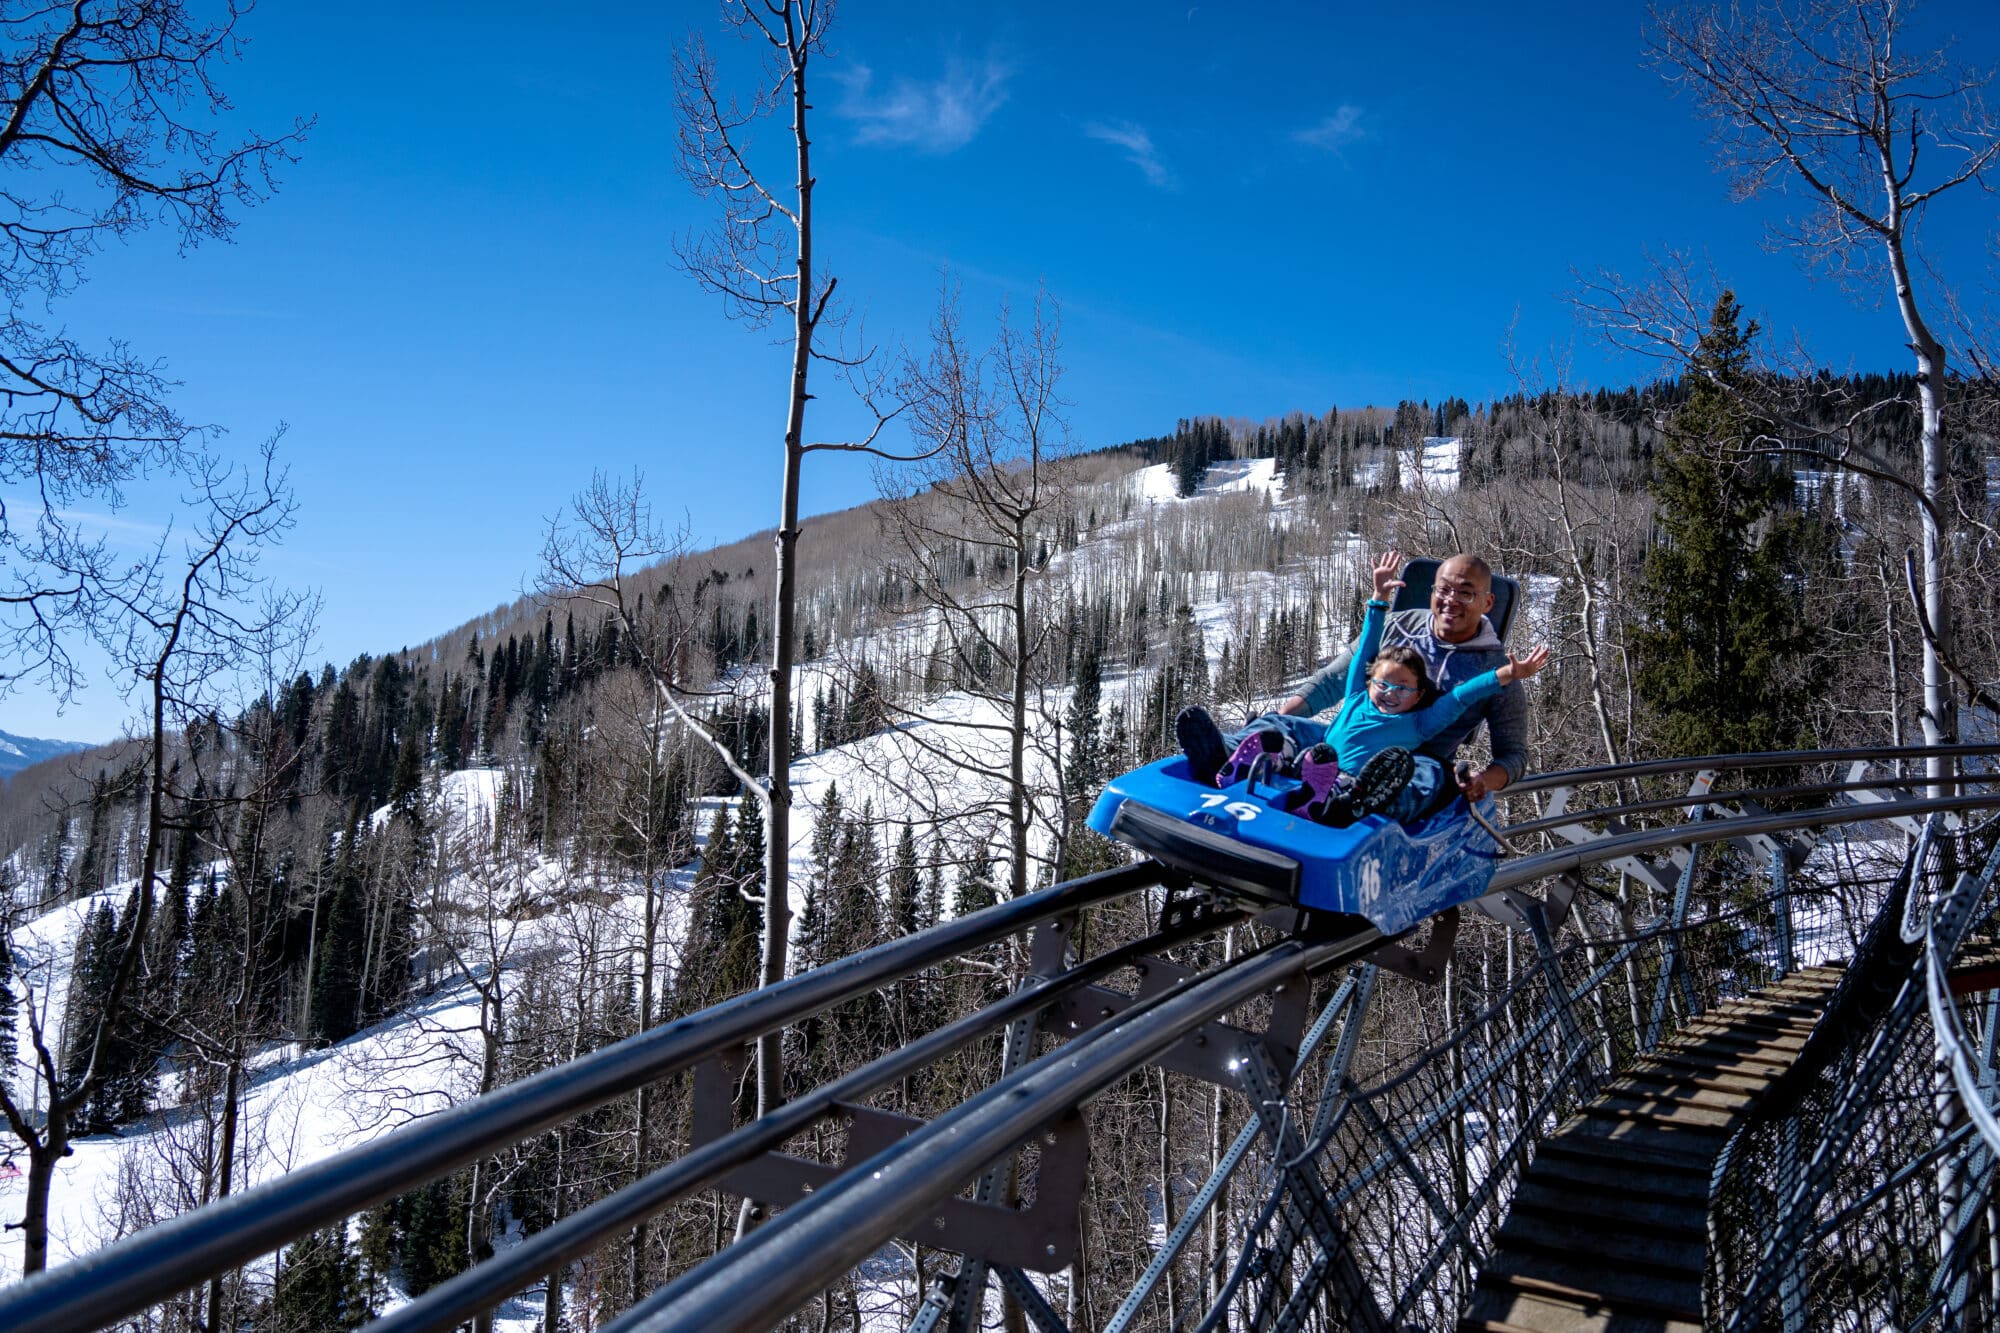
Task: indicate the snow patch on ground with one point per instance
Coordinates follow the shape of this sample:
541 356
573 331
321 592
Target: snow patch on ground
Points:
465 801
1227 476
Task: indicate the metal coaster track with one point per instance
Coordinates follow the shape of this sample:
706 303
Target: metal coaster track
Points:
901 1186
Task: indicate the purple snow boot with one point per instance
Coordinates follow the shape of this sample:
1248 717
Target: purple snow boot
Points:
1319 772
1371 791
1259 743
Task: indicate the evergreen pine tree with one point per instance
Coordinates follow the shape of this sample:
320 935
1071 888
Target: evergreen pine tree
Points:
430 1227
975 890
91 975
318 1285
905 890
854 913
375 1255
824 849
1727 661
1082 768
722 938
334 1003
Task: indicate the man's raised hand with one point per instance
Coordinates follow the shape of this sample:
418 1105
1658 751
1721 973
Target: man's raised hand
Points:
1524 666
1384 573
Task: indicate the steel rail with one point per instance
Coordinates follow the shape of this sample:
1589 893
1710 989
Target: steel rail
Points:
756 1282
1569 818
485 1285
1646 768
1545 865
143 1269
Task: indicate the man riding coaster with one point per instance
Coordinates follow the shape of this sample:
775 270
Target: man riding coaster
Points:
1411 689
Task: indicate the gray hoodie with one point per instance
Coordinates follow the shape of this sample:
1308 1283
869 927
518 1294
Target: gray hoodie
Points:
1450 664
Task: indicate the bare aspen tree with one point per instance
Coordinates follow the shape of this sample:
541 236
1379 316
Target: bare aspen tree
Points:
1822 98
989 497
106 114
759 258
184 625
1584 518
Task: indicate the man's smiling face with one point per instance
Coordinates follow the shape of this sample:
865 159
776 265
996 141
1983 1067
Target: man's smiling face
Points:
1460 595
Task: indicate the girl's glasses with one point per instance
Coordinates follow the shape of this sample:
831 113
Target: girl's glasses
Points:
1391 688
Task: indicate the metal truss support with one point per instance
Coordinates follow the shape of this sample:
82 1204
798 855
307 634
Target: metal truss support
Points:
1781 901
1053 943
1296 1177
1639 868
937 1304
1576 1050
1670 960
1882 796
1029 1297
1348 1007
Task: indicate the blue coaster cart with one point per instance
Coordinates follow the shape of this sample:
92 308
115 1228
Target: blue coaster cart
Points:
1241 842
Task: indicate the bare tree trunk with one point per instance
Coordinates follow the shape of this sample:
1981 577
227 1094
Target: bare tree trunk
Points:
1017 737
778 788
1940 708
35 1210
225 1169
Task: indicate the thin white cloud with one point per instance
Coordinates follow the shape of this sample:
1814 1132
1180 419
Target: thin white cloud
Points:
1138 146
1336 131
935 116
89 521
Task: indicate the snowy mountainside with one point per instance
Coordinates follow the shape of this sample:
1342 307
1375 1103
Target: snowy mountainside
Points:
19 752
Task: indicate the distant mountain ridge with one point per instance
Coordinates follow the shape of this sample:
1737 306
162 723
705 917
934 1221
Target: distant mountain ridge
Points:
18 752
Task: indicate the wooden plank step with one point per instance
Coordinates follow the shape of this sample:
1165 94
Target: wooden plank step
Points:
1603 1174
1687 1112
1707 1035
1531 1312
1680 1219
1684 1090
1650 1117
1585 1241
1781 999
1617 1141
1675 1078
1745 1013
1757 1065
1760 1021
1627 1289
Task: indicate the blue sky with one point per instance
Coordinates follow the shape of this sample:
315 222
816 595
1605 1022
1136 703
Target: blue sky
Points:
462 301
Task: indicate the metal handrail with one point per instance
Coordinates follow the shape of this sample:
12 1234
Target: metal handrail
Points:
1570 818
1646 768
486 1284
1545 865
144 1269
763 1277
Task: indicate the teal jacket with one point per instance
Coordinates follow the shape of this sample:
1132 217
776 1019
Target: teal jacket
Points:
1360 730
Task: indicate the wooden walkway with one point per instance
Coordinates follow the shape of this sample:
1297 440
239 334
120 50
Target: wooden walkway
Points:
1608 1232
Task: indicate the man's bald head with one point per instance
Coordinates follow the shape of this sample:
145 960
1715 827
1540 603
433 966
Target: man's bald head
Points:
1461 593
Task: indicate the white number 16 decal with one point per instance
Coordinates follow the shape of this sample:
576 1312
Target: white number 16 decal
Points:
1243 810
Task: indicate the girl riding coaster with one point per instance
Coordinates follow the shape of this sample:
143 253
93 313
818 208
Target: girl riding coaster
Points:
1252 839
1362 762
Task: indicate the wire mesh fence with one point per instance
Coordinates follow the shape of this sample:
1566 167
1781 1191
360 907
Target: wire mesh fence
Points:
1420 1140
1860 1196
